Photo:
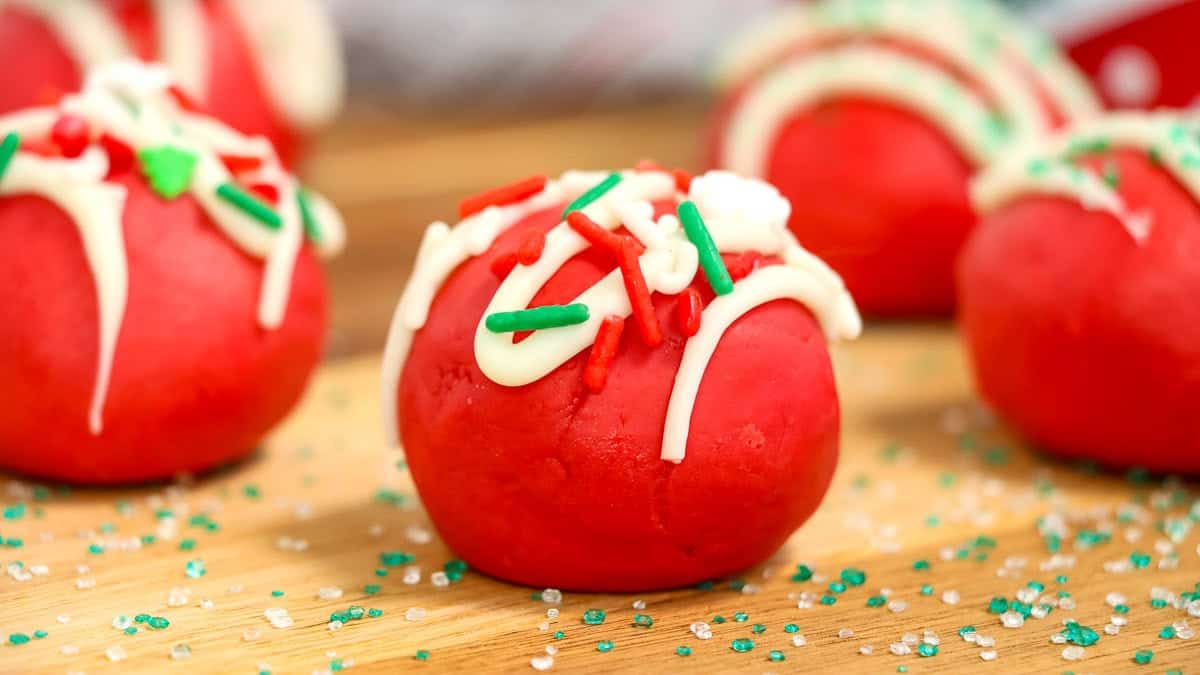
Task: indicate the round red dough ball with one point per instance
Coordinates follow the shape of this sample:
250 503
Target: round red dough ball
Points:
236 94
196 382
1088 343
550 485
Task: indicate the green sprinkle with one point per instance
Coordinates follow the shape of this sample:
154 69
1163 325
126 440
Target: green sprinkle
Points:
742 645
642 620
927 649
791 628
18 638
558 635
1038 167
374 612
95 549
311 227
1060 579
836 587
1167 632
372 589
921 564
683 650
336 665
593 194
141 618
740 616
705 585
1143 656
998 605
966 629
1121 609
593 617
803 573
397 558
1158 603
455 565
276 593
710 258
39 634
828 600
718 619
356 612
187 544
876 601
927 589
549 316
902 669
158 622
8 148
14 542
131 630
421 655
249 204
381 571
252 491
168 169
195 568
1112 174
758 629
776 655
1037 586
604 646
1140 560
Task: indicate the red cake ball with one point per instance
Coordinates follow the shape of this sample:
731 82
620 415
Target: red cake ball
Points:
871 118
160 308
265 67
596 393
1079 292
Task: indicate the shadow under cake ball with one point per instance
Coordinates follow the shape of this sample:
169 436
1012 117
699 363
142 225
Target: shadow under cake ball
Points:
618 382
264 67
871 118
1079 292
161 304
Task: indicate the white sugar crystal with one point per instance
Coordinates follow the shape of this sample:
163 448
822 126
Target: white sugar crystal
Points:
412 575
951 597
418 535
1012 619
115 653
1111 629
68 650
62 618
414 613
375 530
985 641
897 606
551 650
1027 595
988 655
181 652
1058 639
251 634
1073 653
899 649
1066 603
85 583
439 579
542 662
121 622
1118 620
552 613
329 592
845 633
931 638
750 589
552 596
639 604
910 639
798 640
544 626
866 650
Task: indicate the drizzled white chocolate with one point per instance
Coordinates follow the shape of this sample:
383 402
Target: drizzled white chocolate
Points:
130 102
741 215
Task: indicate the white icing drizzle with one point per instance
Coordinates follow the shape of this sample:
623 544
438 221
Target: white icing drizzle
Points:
294 43
1043 167
976 38
129 101
741 215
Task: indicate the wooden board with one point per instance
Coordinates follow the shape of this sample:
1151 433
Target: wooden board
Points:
923 470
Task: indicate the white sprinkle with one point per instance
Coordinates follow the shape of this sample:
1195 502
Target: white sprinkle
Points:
418 535
798 640
705 634
68 650
206 603
543 662
899 649
951 597
1012 619
62 618
329 593
1118 620
335 625
251 634
412 575
1066 603
85 583
115 653
985 641
910 639
180 652
544 626
931 638
1111 629
1027 595
897 606
970 636
750 589
845 633
1058 639
988 655
1073 653
866 650
439 579
639 604
121 622
414 614
552 596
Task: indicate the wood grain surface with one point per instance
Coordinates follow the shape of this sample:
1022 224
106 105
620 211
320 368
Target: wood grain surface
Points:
924 473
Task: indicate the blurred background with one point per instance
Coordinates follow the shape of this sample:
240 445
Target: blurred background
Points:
449 98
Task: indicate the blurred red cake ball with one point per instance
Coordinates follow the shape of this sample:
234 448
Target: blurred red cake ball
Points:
871 118
265 67
1078 292
671 418
161 305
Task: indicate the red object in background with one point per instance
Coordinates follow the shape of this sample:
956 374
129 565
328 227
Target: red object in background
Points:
1086 342
550 485
235 90
1139 53
195 384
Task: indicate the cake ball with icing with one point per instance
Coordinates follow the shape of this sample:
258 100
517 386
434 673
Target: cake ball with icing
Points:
161 302
619 381
265 67
871 118
1078 292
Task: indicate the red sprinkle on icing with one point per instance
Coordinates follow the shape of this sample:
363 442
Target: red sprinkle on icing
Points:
638 292
647 165
531 247
241 163
604 349
71 134
183 99
40 147
683 180
267 191
741 266
120 155
596 235
504 263
505 194
688 307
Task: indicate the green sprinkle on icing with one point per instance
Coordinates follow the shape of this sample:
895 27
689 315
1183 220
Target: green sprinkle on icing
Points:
710 258
549 316
593 194
249 204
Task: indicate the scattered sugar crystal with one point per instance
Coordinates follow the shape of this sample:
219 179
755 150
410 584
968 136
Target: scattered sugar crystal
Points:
251 634
206 603
551 650
552 596
706 634
412 575
639 604
542 662
329 592
68 650
1012 619
931 638
988 655
335 625
1193 608
552 613
1111 629
798 640
951 597
82 569
750 589
180 652
62 618
544 626
899 649
866 650
121 622
439 579
1118 620
910 639
418 535
970 636
845 633
1058 639
85 583
1039 611
897 606
1027 595
1073 653
414 614
115 653
40 570
1066 603
985 641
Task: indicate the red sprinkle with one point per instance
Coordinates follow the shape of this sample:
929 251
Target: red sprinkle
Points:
743 265
688 307
683 180
241 163
70 133
267 191
504 263
505 194
531 247
120 155
595 374
639 293
596 235
183 99
40 147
